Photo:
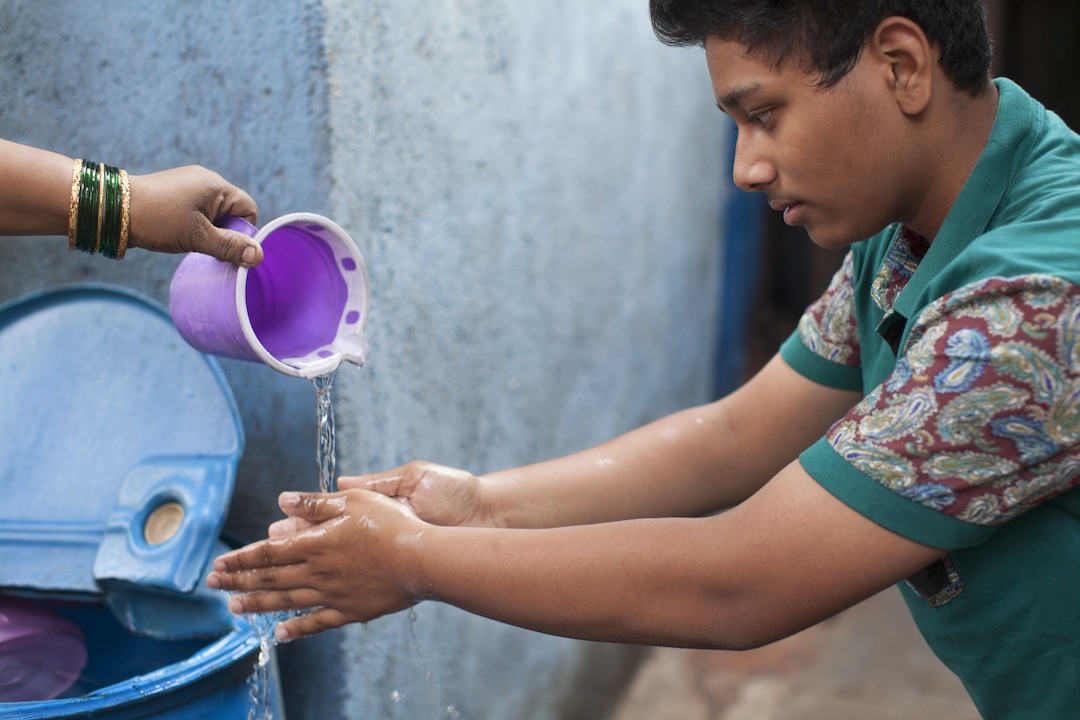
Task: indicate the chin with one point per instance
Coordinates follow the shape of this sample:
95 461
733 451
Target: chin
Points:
831 241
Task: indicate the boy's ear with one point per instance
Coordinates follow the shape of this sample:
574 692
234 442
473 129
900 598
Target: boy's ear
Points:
908 61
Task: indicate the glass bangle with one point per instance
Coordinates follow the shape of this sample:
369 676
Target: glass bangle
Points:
88 208
110 226
99 212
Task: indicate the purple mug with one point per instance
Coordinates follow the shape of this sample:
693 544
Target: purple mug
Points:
302 310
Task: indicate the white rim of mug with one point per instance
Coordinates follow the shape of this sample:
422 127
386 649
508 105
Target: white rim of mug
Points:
334 360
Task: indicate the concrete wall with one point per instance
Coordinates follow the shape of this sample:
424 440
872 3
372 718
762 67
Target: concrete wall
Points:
537 190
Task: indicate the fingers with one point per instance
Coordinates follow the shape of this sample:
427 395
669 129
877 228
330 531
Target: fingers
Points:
273 601
229 569
268 563
309 624
436 493
342 551
312 507
304 513
286 527
401 481
390 482
231 246
237 202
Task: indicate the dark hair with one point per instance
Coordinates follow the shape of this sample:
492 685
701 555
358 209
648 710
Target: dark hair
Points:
829 35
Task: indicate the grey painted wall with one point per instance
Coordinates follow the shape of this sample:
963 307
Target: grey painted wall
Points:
536 189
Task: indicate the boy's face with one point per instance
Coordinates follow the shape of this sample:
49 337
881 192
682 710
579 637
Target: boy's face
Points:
830 159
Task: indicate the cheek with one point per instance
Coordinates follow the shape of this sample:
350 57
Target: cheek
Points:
813 148
844 160
843 144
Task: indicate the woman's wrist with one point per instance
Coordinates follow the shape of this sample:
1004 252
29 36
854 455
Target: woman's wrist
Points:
99 211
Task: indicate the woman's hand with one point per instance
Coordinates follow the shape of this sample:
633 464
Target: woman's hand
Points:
174 211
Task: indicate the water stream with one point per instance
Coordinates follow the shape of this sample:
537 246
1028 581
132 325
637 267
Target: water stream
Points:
262 703
259 685
324 422
263 624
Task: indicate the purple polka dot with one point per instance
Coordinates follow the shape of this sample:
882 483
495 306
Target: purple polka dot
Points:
348 263
325 353
352 318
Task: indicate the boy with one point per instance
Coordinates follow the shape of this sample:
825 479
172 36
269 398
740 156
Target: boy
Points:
920 427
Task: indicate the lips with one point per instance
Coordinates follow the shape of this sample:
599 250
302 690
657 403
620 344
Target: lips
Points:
792 209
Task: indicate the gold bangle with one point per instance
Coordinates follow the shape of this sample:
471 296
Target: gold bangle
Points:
125 214
73 209
100 207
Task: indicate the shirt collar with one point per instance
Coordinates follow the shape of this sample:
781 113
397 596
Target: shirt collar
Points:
978 201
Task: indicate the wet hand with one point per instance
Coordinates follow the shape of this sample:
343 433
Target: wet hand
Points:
174 211
351 559
437 494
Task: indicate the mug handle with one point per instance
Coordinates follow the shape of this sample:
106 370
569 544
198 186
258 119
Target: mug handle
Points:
239 224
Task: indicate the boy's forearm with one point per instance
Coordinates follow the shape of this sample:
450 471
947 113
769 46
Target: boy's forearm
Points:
664 469
694 462
612 582
789 557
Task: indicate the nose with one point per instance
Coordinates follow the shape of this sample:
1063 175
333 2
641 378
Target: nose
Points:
751 170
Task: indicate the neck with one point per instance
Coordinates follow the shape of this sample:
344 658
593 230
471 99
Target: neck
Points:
953 154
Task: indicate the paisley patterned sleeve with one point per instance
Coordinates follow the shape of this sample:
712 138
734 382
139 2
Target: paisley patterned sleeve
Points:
828 328
980 420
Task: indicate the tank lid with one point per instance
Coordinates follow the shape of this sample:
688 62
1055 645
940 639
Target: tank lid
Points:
120 446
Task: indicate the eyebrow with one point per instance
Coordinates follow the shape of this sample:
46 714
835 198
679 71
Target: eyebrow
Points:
735 97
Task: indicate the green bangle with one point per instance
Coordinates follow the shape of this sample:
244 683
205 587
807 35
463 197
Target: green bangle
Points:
110 225
88 208
100 204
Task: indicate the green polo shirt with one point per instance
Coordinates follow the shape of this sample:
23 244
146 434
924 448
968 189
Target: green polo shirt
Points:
967 350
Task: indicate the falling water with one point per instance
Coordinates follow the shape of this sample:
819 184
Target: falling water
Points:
324 422
263 624
259 685
451 712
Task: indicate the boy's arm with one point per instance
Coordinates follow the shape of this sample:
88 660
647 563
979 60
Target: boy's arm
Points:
786 558
691 463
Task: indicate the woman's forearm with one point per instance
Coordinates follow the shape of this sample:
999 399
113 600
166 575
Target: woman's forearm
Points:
36 195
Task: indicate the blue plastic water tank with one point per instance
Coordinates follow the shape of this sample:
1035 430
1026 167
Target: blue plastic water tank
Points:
120 444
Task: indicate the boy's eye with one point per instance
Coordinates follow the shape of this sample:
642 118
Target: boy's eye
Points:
761 118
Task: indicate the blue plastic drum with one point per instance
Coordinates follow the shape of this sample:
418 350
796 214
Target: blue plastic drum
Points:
119 444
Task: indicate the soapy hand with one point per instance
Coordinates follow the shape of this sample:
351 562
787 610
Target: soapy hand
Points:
352 562
175 210
438 494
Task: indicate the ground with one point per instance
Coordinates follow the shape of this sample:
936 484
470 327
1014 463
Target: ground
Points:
868 663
